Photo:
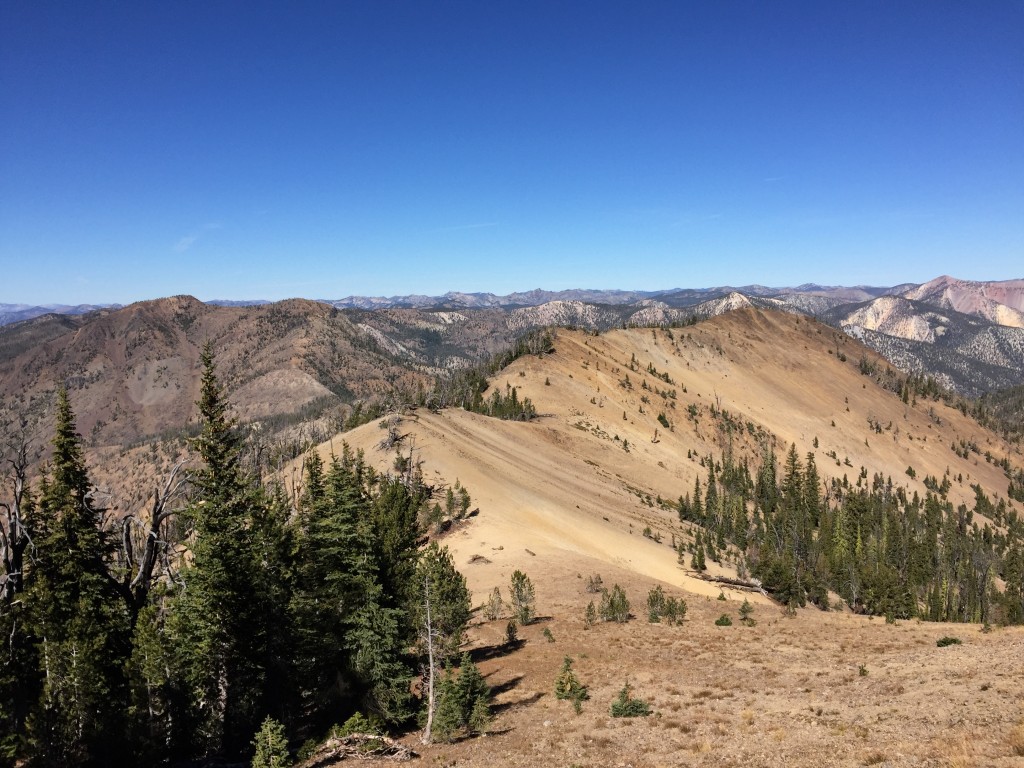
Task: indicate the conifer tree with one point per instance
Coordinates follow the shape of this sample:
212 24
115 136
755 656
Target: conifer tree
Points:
218 622
442 611
523 597
698 563
271 746
463 701
568 687
78 622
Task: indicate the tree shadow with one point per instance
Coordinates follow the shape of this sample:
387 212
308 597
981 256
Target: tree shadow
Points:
495 651
523 702
508 685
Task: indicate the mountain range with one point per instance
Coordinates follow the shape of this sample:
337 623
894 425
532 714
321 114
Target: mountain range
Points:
134 368
629 422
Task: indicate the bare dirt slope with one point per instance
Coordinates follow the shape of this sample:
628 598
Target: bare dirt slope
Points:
562 498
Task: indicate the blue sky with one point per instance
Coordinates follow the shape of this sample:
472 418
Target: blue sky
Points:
267 150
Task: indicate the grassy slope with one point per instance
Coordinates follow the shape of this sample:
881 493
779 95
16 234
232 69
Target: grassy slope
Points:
557 500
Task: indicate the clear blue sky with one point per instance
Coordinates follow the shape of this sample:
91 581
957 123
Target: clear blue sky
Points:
266 150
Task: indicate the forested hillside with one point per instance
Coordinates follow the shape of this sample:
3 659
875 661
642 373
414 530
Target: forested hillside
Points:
175 636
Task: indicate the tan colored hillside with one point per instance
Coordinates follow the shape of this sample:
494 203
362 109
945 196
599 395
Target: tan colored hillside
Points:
561 498
550 484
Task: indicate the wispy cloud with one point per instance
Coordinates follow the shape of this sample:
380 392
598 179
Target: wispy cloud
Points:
185 243
191 239
461 227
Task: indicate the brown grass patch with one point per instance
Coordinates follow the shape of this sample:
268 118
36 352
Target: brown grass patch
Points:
1015 740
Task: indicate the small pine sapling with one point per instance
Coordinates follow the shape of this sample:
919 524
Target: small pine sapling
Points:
271 746
655 604
494 606
745 611
569 688
522 597
626 706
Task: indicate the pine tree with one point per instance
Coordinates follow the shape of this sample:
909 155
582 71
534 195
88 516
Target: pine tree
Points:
655 604
219 622
698 563
463 702
271 746
442 611
522 597
494 606
80 625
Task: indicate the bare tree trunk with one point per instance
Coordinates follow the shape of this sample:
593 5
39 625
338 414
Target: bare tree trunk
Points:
14 536
136 590
430 662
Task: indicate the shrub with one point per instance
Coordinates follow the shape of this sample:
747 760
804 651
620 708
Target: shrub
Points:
947 640
548 636
626 706
594 584
358 723
723 621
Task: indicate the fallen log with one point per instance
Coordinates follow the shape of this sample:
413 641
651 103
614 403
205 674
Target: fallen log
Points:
749 586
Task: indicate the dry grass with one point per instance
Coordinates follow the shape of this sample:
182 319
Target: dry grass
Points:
785 692
1015 740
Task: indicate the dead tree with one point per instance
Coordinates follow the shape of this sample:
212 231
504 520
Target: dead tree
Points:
429 635
15 539
140 569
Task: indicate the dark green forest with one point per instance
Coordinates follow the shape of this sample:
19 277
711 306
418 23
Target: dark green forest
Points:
130 642
884 552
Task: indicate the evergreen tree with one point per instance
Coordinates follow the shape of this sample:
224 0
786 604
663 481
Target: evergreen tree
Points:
522 597
271 745
698 563
442 611
218 622
77 620
463 702
569 688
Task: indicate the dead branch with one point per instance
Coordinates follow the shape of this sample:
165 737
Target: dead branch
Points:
358 746
135 591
